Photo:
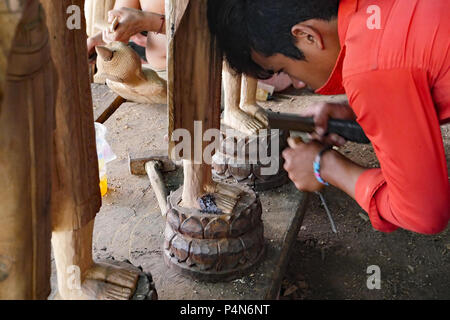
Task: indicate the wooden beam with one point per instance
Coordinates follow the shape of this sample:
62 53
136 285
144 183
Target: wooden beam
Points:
194 68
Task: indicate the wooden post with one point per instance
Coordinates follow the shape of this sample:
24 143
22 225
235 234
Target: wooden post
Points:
76 194
194 72
26 140
76 197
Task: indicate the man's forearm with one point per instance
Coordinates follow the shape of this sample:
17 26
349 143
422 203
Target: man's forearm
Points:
153 22
341 172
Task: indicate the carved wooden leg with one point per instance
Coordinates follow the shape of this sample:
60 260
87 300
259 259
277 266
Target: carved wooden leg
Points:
26 127
234 116
248 100
76 195
193 184
80 278
198 182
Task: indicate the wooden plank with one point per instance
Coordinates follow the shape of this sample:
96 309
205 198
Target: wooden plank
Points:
289 238
105 101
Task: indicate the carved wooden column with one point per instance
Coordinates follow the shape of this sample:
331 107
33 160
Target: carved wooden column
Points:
27 82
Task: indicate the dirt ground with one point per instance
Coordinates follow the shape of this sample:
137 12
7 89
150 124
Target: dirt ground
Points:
323 265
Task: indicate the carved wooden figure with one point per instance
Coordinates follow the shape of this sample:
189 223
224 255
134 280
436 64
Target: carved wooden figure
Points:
27 83
121 67
208 223
241 112
248 121
48 156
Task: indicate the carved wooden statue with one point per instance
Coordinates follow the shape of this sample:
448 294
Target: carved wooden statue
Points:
27 83
241 112
121 67
248 120
213 231
48 163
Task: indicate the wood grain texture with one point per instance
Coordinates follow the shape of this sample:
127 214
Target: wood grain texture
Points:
288 240
194 83
194 68
96 11
76 195
10 16
26 142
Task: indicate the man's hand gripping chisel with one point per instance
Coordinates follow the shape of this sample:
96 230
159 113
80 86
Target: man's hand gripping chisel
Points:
349 130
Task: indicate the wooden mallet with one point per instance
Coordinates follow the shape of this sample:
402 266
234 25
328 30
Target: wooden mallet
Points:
153 165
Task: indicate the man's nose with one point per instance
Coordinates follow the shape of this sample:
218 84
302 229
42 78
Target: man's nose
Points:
298 84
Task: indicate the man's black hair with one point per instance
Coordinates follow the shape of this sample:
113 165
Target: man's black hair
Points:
264 26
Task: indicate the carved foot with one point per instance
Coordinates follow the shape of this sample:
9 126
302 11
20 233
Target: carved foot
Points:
257 112
115 281
226 196
241 121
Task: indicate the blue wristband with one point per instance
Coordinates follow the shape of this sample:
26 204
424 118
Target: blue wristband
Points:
317 163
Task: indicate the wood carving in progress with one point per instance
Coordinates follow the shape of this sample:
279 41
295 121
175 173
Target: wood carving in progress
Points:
49 163
241 112
121 67
213 230
247 119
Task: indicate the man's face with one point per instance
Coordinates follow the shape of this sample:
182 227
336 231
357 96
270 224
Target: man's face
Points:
312 72
319 42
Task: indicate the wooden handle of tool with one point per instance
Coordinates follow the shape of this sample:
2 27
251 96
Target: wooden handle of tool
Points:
157 182
350 130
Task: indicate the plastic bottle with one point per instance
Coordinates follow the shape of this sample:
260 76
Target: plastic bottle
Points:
105 155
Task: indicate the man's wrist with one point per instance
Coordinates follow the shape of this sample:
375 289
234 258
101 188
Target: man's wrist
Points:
318 163
328 163
341 172
151 21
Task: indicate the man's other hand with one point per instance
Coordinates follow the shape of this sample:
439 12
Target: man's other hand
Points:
299 159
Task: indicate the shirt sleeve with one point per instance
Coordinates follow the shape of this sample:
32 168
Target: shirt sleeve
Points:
411 188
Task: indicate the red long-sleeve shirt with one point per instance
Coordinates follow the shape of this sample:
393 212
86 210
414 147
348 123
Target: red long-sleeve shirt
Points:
397 78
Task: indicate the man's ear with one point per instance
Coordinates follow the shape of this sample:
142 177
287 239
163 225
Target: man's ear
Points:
307 35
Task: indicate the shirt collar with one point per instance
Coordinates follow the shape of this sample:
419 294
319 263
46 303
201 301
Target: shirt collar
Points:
334 84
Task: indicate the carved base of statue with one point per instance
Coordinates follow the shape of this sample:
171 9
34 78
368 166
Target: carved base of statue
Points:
214 246
252 160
